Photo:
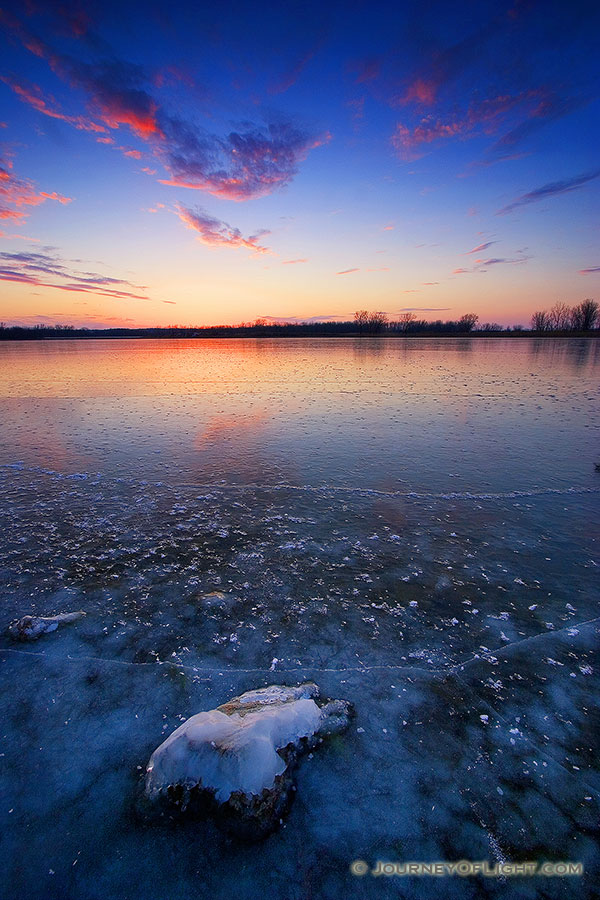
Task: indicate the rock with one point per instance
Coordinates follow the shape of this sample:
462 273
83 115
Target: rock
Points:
30 628
235 761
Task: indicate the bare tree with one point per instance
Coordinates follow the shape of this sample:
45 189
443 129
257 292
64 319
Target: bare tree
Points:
373 322
406 320
585 316
377 322
540 321
361 317
560 317
468 321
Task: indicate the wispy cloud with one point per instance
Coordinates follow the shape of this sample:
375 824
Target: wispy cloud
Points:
484 116
15 237
501 261
215 233
421 90
591 271
16 193
246 162
347 271
552 189
480 247
482 265
292 262
32 95
295 70
445 65
549 108
45 268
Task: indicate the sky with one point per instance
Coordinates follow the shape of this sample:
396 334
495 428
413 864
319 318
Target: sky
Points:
209 163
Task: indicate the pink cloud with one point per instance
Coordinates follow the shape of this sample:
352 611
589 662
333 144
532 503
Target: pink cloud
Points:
19 192
32 95
215 233
484 116
45 269
480 247
419 91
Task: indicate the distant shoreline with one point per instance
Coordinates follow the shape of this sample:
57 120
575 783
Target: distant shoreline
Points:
218 334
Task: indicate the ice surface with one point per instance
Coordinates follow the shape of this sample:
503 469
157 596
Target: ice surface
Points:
414 529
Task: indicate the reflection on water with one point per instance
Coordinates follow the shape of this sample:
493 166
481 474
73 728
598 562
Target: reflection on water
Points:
413 524
441 414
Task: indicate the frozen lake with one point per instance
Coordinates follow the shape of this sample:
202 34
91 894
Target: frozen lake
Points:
413 524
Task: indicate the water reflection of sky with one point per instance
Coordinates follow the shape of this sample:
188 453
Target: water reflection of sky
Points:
443 415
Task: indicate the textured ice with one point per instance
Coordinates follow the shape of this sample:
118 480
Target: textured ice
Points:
172 554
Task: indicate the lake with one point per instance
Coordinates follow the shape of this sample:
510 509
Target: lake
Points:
411 523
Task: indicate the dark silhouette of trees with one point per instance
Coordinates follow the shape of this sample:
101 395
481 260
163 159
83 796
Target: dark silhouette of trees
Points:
585 316
361 317
540 321
406 320
468 321
371 322
377 322
560 316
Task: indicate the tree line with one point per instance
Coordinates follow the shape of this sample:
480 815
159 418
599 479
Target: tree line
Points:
581 318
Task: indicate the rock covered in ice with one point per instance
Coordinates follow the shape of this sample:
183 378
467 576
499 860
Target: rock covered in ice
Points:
30 628
239 755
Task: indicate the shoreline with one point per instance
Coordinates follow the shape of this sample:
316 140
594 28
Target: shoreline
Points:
181 334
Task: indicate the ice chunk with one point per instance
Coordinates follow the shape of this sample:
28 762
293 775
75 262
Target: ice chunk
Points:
235 752
30 628
230 753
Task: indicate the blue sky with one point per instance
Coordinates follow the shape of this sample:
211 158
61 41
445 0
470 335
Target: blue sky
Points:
201 164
